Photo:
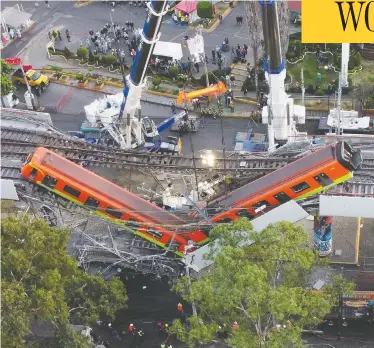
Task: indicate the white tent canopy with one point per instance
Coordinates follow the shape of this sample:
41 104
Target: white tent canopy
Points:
168 49
13 17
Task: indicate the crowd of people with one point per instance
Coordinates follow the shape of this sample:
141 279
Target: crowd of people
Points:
239 20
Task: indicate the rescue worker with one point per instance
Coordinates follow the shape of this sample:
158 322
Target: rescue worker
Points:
160 326
235 326
232 106
163 345
132 329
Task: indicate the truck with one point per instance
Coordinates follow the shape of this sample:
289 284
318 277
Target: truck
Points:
34 78
171 145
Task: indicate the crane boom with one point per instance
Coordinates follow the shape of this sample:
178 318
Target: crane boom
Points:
280 113
216 90
129 125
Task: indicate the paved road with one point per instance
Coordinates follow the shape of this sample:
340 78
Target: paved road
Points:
45 19
72 115
80 20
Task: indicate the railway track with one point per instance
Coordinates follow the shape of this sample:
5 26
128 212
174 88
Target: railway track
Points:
17 144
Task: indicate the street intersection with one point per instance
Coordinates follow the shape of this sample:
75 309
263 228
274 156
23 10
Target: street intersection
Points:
63 15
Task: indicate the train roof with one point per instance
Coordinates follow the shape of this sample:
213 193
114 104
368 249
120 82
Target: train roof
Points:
106 188
279 175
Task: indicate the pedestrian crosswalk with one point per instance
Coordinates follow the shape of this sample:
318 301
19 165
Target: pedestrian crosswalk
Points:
239 70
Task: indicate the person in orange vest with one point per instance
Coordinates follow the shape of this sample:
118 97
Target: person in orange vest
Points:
132 329
180 307
235 326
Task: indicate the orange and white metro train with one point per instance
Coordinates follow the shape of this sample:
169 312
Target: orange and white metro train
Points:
307 176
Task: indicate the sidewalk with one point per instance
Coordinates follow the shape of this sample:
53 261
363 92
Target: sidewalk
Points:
9 42
240 111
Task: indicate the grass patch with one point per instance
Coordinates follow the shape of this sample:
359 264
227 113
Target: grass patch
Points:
366 74
310 66
221 7
324 103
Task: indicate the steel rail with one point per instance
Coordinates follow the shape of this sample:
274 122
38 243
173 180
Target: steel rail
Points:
17 144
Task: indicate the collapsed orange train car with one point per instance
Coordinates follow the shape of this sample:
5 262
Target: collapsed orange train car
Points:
93 192
307 176
310 175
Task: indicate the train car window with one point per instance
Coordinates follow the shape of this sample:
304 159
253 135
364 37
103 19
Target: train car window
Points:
91 203
245 213
132 223
33 173
323 179
300 187
115 213
260 204
49 181
224 220
72 191
154 233
28 159
281 197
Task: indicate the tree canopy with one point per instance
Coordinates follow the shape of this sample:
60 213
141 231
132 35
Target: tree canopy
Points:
257 280
363 93
205 9
39 281
6 82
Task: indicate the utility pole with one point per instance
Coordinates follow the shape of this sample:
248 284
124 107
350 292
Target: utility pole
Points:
111 19
224 154
194 311
205 64
194 166
339 130
302 88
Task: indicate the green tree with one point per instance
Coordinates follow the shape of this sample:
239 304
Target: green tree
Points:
67 53
257 280
173 71
91 57
39 281
205 9
362 92
79 76
338 287
6 82
319 92
111 59
156 81
82 53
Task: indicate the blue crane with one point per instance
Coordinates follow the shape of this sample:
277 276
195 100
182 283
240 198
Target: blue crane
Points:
129 126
